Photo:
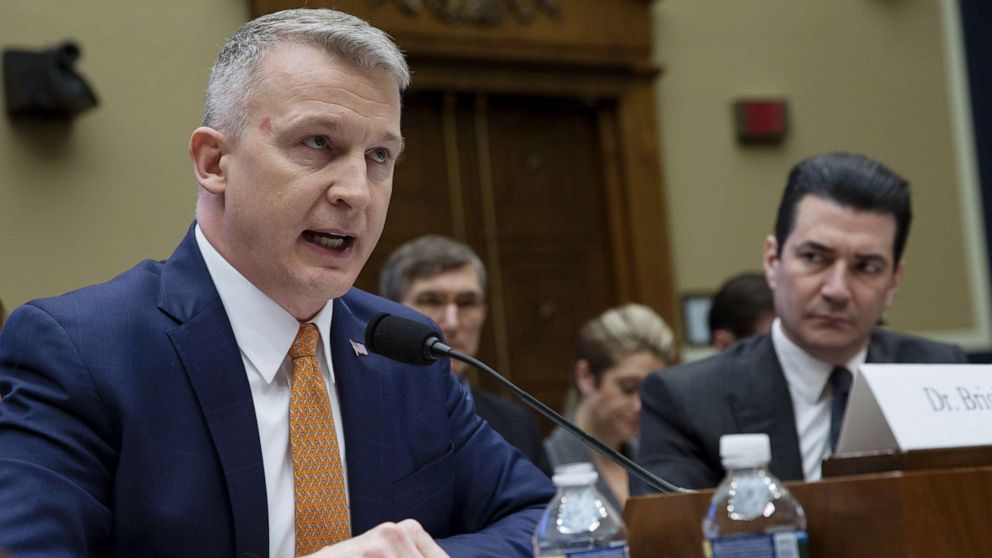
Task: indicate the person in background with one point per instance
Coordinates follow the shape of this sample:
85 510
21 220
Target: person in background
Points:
741 308
221 402
446 281
834 265
616 351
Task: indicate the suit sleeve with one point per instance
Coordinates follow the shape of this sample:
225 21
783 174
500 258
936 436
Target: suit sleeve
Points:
669 446
500 494
57 455
957 356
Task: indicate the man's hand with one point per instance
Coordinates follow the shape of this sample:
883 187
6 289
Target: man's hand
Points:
387 540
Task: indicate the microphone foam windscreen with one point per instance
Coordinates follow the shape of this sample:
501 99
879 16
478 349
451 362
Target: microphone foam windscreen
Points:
399 338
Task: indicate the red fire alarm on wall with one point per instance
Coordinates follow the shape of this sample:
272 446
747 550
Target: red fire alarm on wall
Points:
761 120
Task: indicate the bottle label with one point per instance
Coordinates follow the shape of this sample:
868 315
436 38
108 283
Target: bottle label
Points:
787 544
613 551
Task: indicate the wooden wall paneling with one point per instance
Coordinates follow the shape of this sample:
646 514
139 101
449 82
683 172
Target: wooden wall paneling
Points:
616 202
554 250
466 121
453 155
497 307
647 209
592 32
528 78
645 215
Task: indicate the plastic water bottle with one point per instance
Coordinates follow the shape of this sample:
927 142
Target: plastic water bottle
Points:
752 515
579 521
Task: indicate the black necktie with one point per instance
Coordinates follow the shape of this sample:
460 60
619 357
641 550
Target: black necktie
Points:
840 379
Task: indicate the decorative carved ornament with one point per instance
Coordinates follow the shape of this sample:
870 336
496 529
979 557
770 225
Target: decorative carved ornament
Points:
480 12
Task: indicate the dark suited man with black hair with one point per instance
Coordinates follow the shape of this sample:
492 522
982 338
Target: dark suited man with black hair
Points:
742 307
834 265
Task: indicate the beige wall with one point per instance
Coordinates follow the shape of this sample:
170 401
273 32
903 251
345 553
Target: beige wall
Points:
81 202
869 76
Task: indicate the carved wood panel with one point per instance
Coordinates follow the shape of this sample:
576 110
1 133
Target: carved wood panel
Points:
600 32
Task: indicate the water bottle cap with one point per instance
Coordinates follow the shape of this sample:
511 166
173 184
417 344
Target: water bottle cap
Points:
575 474
745 450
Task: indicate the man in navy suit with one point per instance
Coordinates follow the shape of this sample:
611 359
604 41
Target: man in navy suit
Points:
834 265
149 416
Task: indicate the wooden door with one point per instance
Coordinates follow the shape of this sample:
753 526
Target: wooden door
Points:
520 179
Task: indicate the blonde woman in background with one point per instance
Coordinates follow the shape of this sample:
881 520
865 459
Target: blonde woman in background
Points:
616 351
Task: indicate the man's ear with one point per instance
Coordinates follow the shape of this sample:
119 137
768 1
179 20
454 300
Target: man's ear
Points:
722 338
769 260
894 282
207 147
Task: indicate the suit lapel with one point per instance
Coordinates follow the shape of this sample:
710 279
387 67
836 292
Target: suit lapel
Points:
762 403
360 383
209 353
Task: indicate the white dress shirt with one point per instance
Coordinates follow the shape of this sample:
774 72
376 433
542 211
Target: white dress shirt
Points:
264 332
812 397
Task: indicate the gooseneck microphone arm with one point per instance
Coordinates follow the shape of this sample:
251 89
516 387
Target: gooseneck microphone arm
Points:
641 473
415 343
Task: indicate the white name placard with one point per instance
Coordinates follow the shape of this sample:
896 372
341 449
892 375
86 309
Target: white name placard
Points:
918 406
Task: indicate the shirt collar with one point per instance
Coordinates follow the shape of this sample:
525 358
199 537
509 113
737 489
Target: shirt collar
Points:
263 329
807 376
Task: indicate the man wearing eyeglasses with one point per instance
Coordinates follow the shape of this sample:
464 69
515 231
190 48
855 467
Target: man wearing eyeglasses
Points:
446 281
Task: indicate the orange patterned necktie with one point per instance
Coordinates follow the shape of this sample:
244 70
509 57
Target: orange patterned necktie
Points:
319 489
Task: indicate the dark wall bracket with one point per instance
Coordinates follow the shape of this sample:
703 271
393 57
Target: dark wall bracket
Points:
43 84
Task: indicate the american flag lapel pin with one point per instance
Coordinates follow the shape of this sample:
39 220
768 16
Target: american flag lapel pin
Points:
359 348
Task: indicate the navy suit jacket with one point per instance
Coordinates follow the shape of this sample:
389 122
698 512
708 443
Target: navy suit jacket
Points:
741 390
127 429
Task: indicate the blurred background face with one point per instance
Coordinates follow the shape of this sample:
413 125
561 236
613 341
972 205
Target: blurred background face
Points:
454 299
724 338
614 403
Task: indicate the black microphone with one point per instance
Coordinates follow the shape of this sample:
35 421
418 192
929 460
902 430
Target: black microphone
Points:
402 339
412 342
